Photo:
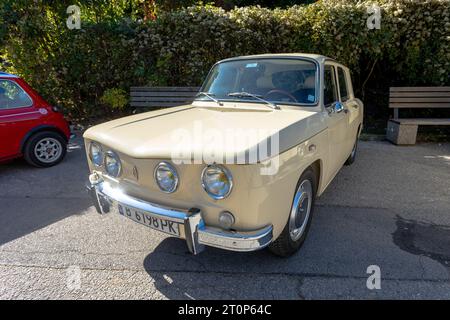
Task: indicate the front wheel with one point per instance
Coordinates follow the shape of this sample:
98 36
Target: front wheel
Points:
297 226
45 149
351 158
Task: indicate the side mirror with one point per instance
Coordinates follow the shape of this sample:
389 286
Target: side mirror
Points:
337 107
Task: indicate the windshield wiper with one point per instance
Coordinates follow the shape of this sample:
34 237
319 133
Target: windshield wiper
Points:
251 95
210 95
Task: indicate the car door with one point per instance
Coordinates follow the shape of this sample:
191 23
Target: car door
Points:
16 113
350 104
337 120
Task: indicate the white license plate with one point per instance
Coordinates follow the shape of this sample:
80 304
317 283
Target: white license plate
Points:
150 220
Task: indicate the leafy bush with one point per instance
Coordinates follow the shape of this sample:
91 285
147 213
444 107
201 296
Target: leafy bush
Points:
115 98
74 68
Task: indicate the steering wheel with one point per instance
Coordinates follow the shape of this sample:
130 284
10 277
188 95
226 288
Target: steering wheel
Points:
282 92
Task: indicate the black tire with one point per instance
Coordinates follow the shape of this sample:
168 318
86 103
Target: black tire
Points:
284 245
351 158
40 137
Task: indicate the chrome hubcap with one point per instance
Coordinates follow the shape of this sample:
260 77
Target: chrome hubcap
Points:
301 209
48 150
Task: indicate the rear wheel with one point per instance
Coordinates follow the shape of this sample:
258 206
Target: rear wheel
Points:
45 149
297 226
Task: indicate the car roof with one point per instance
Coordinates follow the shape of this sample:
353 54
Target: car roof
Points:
7 75
319 58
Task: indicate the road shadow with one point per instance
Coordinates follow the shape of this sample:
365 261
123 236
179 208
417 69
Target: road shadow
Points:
215 274
32 198
220 274
342 243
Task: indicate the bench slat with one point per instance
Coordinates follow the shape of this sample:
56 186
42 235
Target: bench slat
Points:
162 96
419 94
150 94
162 99
162 89
419 105
418 99
156 104
419 89
424 121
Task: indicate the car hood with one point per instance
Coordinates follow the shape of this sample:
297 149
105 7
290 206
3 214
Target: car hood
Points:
189 131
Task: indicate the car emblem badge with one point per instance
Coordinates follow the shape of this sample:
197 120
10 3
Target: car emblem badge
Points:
135 173
43 111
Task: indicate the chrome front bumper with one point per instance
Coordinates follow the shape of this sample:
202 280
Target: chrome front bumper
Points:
196 233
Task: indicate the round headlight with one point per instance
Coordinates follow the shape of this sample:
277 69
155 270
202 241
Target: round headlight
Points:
112 164
217 181
96 154
166 177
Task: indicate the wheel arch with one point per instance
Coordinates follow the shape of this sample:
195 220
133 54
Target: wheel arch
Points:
38 129
317 167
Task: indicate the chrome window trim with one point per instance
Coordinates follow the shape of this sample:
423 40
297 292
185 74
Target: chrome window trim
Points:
333 65
347 97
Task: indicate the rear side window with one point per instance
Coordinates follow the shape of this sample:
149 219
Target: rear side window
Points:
13 96
343 88
330 90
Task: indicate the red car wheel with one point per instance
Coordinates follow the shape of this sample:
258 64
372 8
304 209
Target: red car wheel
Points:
45 149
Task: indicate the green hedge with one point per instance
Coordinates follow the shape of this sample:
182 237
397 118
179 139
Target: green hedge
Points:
74 68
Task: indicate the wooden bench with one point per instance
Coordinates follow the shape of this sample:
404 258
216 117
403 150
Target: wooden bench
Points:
159 97
403 131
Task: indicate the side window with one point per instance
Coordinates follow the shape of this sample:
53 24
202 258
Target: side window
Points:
342 84
329 86
13 96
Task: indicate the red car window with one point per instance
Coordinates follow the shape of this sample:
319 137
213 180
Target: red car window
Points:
13 96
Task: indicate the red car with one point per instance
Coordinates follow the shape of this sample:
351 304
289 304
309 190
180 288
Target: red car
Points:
29 126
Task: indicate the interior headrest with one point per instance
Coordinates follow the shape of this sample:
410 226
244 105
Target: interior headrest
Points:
310 82
265 82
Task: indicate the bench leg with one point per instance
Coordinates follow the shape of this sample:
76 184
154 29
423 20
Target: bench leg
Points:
401 134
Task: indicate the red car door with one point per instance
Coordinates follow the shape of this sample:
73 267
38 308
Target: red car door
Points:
18 113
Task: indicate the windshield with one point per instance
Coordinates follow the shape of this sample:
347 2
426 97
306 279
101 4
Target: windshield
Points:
284 81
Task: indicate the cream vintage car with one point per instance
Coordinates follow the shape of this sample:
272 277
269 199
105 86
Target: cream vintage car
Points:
239 168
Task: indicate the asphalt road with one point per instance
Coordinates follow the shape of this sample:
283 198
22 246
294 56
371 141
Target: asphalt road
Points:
390 209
